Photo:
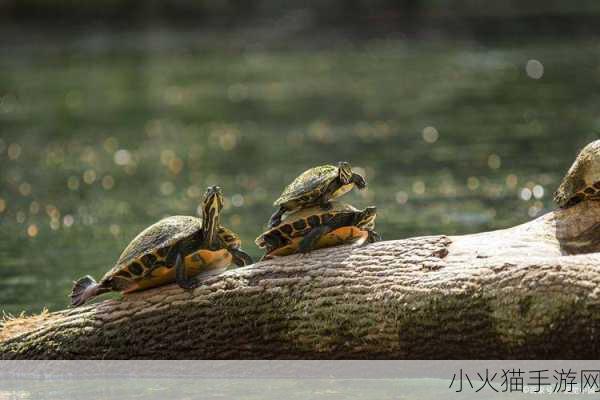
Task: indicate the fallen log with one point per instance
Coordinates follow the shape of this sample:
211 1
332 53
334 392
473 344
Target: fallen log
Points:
530 291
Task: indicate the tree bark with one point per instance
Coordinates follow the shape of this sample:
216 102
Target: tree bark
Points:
526 292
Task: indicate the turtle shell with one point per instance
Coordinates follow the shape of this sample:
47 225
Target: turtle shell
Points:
298 223
582 181
309 185
143 262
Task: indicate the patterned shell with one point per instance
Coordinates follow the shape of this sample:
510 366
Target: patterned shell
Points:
311 183
164 233
304 214
336 208
584 173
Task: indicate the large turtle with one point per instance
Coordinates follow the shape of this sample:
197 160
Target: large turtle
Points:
172 250
314 228
317 185
582 181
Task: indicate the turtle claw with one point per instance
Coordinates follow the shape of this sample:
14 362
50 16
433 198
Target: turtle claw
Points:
373 237
240 257
189 284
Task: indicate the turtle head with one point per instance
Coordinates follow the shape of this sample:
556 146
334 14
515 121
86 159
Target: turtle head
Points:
582 181
211 209
345 172
366 218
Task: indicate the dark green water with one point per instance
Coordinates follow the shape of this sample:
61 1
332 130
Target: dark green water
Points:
103 135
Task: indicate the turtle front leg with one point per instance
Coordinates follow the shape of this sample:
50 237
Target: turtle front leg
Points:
180 276
325 202
240 257
276 218
309 241
359 181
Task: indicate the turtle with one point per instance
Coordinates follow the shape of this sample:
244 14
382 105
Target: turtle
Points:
318 185
313 228
174 249
582 181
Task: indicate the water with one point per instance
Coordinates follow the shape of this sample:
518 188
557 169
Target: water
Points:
104 134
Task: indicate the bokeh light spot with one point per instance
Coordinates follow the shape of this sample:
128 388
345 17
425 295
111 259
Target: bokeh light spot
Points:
25 189
111 145
419 188
89 176
54 224
34 208
193 192
122 157
21 217
401 197
73 183
108 182
525 194
237 200
32 230
14 151
538 191
494 161
114 229
473 183
430 134
175 166
68 220
228 141
167 188
512 181
235 220
534 69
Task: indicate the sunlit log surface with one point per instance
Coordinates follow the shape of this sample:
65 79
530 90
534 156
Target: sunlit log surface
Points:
524 292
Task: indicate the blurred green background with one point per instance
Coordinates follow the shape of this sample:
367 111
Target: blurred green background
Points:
114 114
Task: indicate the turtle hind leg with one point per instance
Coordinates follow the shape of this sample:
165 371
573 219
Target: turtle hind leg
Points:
240 257
84 289
180 275
276 218
309 241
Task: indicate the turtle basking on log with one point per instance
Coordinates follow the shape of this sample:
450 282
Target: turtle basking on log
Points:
582 181
317 186
175 249
313 228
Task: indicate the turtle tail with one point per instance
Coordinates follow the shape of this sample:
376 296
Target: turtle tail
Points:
84 289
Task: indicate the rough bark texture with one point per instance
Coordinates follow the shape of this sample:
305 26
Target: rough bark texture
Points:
526 292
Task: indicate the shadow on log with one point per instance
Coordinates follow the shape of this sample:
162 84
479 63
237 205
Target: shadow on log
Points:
526 292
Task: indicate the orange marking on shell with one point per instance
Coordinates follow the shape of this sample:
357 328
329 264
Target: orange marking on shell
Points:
195 263
337 237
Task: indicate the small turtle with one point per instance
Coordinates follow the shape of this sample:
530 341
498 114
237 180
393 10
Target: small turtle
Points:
168 251
318 185
582 181
315 228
